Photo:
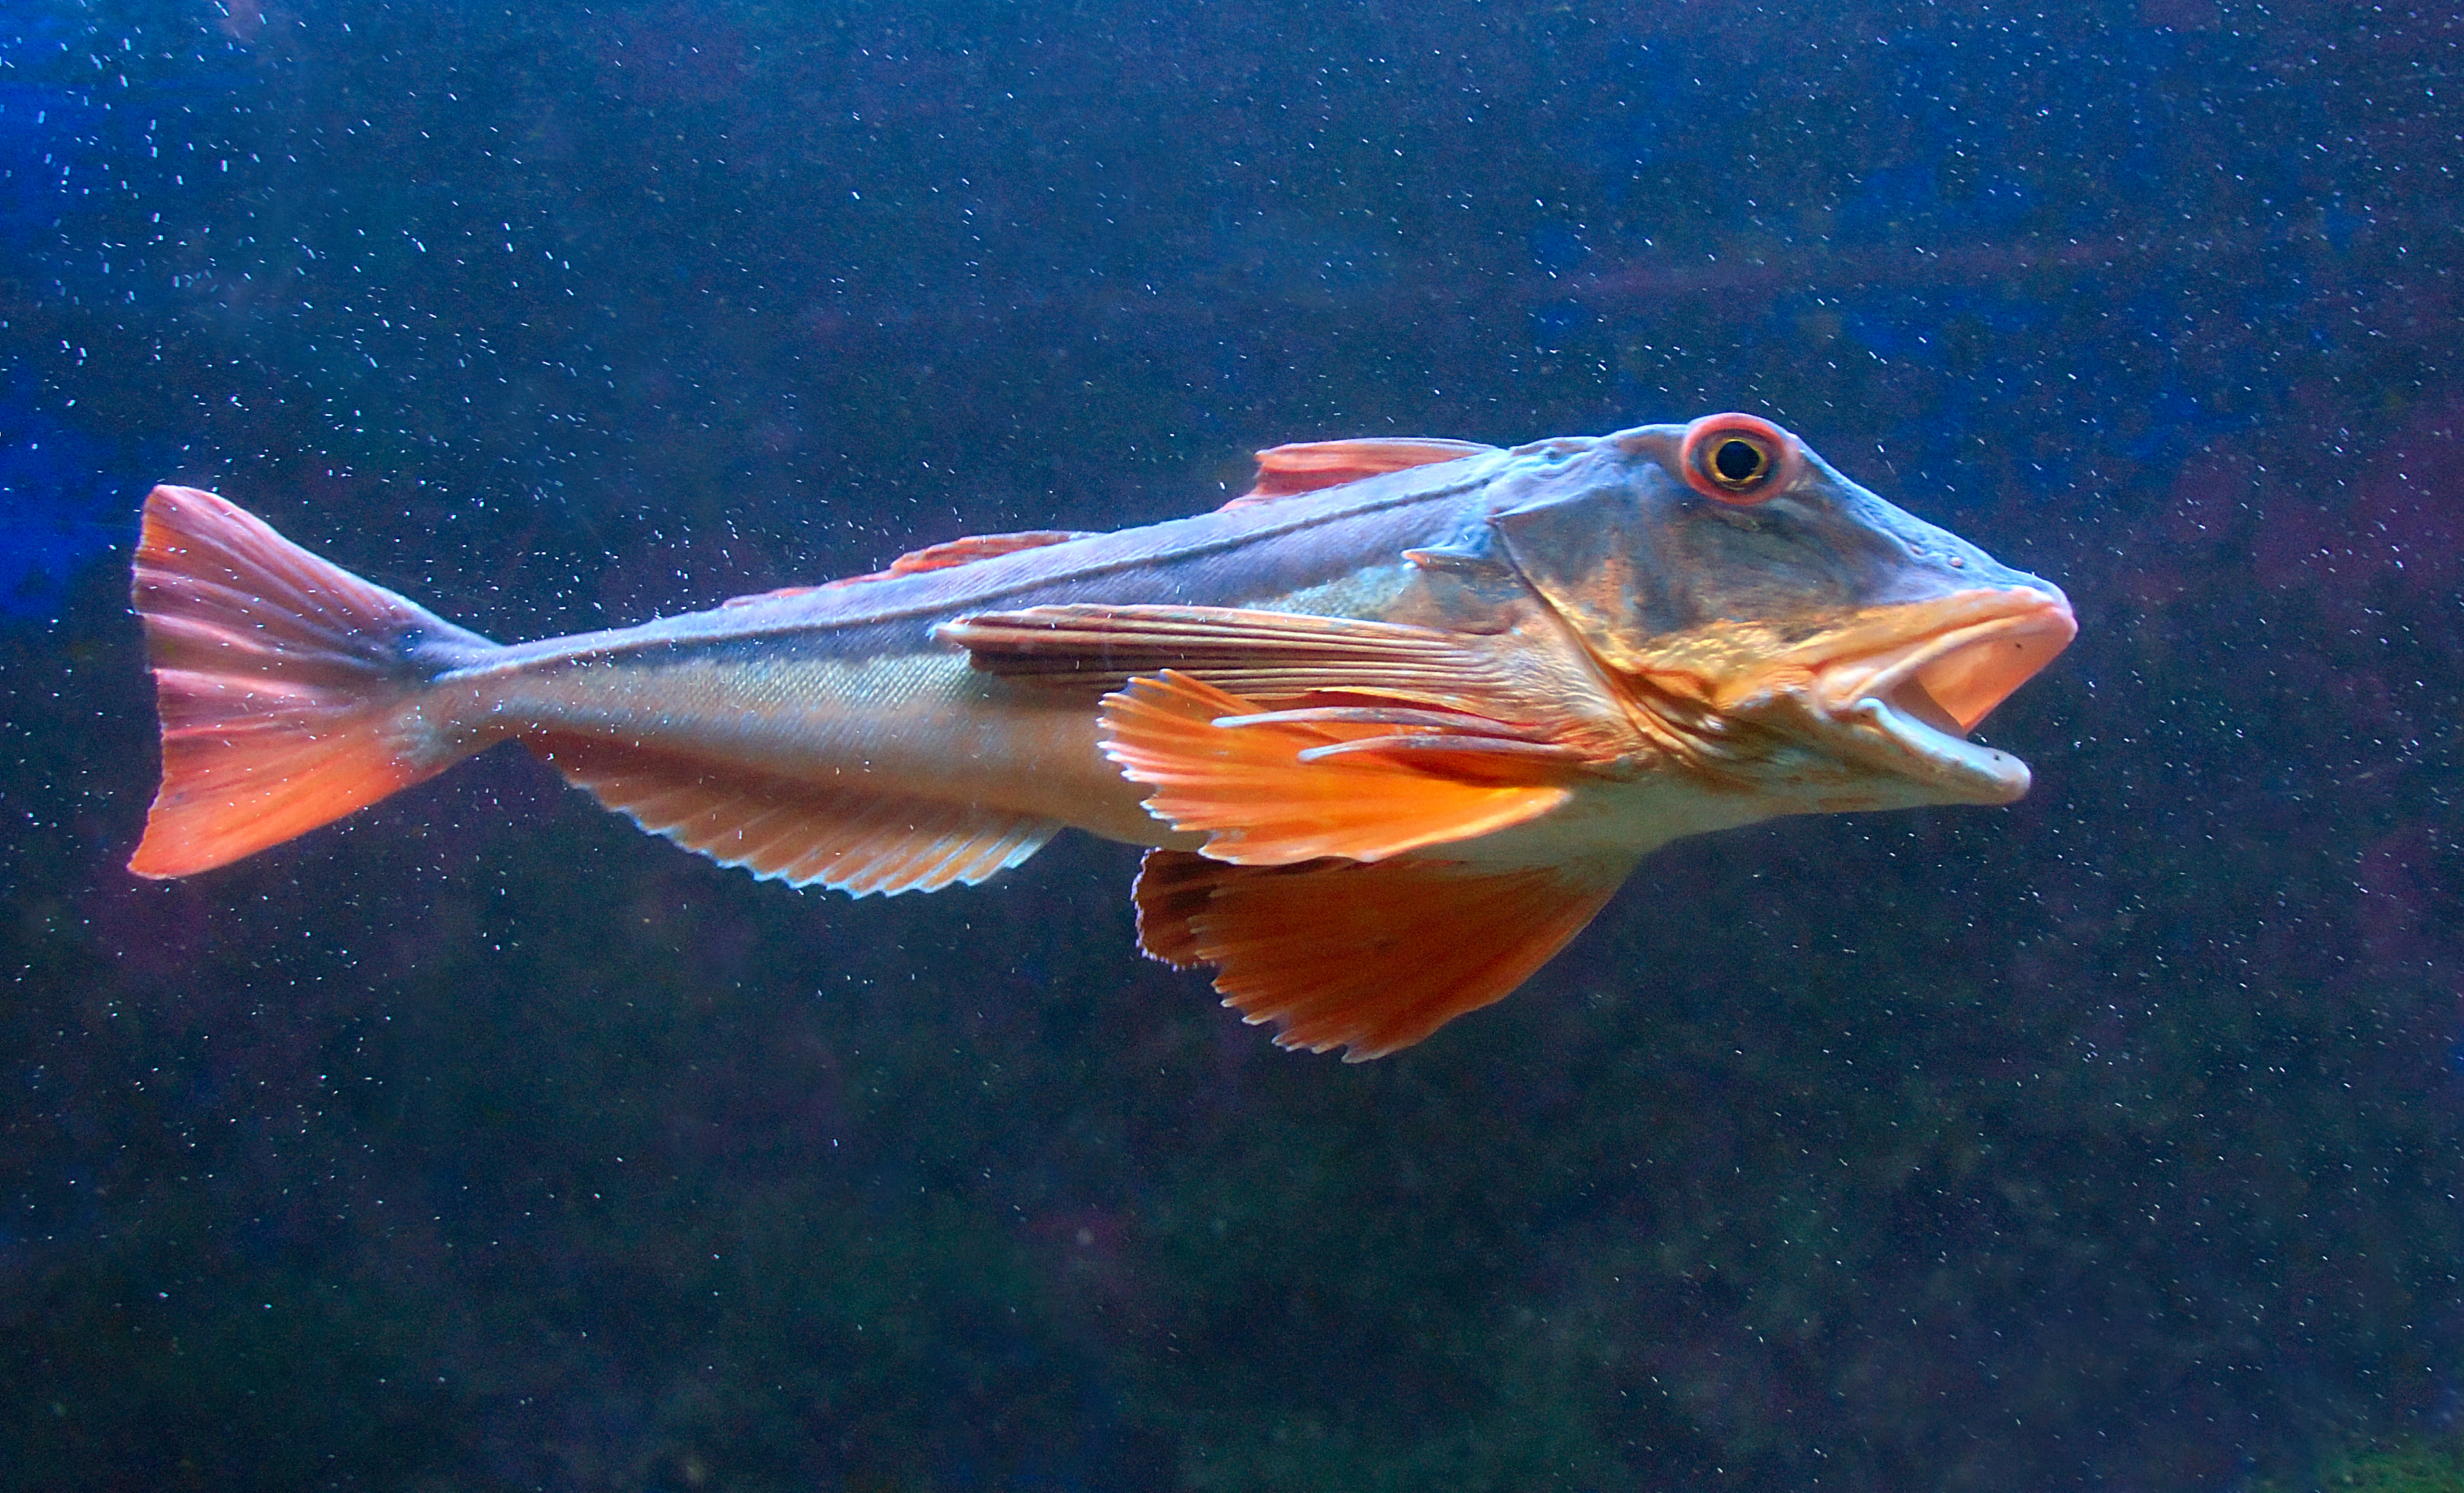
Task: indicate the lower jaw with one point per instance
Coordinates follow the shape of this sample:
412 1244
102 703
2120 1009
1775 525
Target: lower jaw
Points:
1943 767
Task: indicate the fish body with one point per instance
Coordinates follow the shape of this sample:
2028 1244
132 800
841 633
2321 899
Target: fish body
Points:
1394 725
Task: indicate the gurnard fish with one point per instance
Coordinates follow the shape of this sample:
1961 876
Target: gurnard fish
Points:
1394 724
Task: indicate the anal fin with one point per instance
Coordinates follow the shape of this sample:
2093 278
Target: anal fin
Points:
851 840
1367 957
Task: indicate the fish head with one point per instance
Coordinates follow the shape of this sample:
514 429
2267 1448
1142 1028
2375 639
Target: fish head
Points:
1774 622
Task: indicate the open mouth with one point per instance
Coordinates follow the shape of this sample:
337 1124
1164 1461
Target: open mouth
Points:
1914 700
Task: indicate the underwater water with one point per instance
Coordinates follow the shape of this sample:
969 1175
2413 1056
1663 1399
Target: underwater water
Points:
2111 1139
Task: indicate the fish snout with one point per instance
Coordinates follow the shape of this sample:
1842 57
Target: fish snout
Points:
1970 671
1914 700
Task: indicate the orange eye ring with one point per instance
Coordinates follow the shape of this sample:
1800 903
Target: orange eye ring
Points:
1738 459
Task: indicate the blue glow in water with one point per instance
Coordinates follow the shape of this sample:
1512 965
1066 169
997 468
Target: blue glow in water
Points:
43 135
1555 321
67 498
47 128
1556 247
69 106
60 508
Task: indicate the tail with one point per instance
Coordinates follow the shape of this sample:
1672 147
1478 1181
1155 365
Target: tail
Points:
282 681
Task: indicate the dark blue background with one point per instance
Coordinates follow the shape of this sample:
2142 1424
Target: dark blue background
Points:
2111 1139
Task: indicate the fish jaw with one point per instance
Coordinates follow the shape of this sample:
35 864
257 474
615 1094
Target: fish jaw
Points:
1911 705
1874 711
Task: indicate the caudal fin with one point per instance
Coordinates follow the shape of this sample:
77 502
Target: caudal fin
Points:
281 681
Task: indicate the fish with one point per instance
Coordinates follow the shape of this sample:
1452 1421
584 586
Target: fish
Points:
1392 726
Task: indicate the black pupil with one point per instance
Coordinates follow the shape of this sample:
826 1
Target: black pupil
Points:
1737 461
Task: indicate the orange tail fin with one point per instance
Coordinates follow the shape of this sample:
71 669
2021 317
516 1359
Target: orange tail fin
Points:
281 679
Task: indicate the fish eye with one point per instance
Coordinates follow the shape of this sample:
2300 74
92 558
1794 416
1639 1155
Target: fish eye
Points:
1738 462
1736 458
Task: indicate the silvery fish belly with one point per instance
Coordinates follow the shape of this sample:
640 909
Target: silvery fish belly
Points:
1394 725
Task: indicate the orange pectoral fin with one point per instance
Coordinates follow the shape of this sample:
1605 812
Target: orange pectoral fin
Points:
1369 959
1278 788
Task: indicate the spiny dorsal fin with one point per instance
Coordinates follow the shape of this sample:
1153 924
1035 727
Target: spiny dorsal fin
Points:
1369 959
1308 465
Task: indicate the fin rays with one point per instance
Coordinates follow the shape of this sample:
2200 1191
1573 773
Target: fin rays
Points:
279 678
851 840
1367 957
1261 798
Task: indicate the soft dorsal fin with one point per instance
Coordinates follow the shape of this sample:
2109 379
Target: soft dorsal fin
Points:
1307 466
967 549
779 595
1362 783
801 833
1369 959
963 551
